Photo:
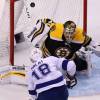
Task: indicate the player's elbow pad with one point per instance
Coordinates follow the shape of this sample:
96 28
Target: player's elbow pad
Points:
71 68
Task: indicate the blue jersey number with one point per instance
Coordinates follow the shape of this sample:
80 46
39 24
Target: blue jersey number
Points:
43 69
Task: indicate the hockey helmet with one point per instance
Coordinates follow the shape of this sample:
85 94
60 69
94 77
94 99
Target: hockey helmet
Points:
69 29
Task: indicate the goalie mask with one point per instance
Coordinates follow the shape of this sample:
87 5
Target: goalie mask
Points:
69 29
36 54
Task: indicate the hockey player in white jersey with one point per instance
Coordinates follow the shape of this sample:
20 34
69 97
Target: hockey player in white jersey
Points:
46 77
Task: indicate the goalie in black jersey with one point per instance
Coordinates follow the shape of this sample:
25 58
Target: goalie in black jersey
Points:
61 40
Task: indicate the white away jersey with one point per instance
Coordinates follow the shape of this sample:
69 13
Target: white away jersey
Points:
46 74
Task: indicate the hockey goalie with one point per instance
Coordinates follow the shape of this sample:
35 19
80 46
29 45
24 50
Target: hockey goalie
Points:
62 40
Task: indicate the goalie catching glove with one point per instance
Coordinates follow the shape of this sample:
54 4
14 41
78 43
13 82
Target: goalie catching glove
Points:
71 81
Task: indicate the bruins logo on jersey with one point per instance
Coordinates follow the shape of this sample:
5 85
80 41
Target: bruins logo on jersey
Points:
62 52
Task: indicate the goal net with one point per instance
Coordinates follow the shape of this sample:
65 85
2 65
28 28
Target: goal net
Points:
26 12
4 32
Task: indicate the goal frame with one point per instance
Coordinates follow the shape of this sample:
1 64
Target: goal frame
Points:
11 32
85 2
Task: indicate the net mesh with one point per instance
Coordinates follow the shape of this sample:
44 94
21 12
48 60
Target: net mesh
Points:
4 32
58 10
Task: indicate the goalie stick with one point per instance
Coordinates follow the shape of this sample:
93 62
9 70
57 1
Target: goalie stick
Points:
13 75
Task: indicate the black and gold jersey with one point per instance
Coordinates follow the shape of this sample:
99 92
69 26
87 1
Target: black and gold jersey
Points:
56 45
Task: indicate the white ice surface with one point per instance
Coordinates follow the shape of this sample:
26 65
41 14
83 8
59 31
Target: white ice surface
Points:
13 92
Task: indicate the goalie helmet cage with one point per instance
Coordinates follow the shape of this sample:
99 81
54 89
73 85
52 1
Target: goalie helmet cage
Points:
12 2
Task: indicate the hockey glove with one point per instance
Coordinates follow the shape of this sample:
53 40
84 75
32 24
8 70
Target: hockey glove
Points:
71 81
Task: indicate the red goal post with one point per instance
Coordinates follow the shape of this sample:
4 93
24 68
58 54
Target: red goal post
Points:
12 32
